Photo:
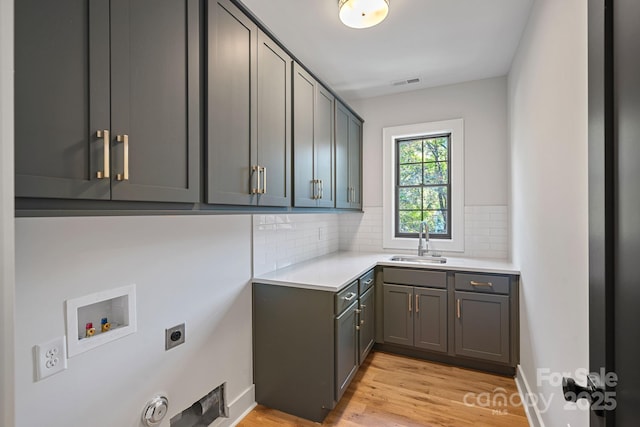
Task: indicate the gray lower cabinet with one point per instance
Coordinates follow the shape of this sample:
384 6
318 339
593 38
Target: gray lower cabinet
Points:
248 111
459 317
398 321
415 316
305 347
367 331
348 159
346 348
482 320
107 100
308 344
430 319
313 141
294 350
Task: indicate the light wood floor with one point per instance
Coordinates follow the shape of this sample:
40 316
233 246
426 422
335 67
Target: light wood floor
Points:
391 390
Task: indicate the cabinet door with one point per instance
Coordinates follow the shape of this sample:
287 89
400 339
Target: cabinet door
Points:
346 349
324 146
482 326
61 98
355 162
274 122
304 93
155 96
343 189
398 314
232 108
348 140
430 319
367 333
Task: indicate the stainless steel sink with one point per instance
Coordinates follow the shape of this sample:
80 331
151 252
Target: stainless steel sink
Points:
428 259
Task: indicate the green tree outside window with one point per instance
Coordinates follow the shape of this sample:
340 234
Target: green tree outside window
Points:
423 185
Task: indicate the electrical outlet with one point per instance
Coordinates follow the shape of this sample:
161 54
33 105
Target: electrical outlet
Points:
51 357
173 337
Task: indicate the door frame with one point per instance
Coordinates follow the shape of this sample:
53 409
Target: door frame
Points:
7 228
601 194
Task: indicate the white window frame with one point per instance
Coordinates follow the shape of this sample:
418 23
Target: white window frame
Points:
389 136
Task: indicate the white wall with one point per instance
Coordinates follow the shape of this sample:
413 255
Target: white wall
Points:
548 134
6 215
483 106
193 269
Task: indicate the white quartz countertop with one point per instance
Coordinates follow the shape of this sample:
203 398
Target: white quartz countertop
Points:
334 271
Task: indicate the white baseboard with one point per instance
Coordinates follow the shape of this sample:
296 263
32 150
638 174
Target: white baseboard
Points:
238 409
530 405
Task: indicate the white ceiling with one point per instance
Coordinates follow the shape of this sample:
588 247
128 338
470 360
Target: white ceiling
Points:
440 41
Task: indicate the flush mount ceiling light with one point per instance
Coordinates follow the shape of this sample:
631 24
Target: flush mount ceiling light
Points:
363 13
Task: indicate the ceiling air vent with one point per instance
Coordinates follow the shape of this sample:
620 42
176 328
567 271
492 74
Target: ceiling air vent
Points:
406 82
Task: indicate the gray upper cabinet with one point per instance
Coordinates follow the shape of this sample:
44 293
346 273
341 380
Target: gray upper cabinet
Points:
313 141
348 159
115 114
248 112
231 105
62 97
274 123
155 107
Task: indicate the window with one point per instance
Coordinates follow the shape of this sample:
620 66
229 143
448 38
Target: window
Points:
423 186
423 180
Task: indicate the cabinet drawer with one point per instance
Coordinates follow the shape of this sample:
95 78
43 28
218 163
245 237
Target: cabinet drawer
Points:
406 276
486 283
346 297
366 281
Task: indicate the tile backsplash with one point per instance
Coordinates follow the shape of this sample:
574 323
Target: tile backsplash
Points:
280 240
486 231
361 232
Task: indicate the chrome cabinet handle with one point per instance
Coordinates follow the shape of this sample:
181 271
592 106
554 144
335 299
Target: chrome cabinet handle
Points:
125 175
364 307
313 189
351 296
417 303
487 284
264 179
368 282
409 295
255 170
458 307
104 134
320 188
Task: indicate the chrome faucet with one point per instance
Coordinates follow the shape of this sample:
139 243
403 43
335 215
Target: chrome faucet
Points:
423 245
